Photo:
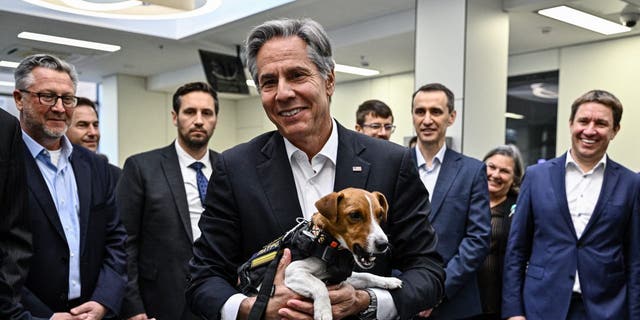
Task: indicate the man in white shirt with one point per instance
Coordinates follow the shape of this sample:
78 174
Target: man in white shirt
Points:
574 247
161 194
261 187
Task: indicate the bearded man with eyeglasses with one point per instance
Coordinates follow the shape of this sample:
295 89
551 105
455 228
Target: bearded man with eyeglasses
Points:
78 267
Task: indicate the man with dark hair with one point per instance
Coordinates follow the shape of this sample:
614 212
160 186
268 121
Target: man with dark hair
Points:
576 229
79 266
161 195
260 188
85 129
375 119
459 197
15 247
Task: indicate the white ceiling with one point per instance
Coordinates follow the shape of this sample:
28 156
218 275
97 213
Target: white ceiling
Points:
380 30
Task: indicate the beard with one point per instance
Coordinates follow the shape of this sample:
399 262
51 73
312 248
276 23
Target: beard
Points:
38 128
194 143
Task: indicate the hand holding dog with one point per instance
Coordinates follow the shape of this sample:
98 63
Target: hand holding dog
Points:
277 307
345 301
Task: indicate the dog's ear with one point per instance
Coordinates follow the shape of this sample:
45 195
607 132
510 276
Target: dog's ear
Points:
328 205
383 204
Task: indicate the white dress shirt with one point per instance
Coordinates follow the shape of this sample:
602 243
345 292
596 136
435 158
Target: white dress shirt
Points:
429 175
583 190
314 179
191 185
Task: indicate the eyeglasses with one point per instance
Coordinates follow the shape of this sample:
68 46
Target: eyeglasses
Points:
378 126
50 99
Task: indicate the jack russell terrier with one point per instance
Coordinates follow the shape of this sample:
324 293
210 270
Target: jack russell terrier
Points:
346 229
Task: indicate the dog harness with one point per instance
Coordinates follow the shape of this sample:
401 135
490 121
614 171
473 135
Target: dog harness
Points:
305 240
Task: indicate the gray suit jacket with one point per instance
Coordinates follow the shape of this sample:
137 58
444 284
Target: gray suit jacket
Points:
153 202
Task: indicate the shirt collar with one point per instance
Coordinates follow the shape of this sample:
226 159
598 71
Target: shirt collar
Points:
187 159
329 150
437 159
602 163
36 148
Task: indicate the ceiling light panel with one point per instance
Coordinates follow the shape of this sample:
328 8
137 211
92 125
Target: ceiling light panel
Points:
583 20
355 70
9 64
69 41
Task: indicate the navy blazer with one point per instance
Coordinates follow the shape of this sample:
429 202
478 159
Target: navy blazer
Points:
461 216
102 240
252 199
155 212
543 251
15 246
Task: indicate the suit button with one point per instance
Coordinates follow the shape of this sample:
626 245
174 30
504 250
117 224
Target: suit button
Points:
63 297
572 277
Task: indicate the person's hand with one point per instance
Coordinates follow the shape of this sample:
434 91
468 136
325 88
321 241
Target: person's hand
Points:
517 318
141 316
91 310
345 301
64 316
277 306
425 313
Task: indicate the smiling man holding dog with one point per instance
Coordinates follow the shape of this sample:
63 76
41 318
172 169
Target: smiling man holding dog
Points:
261 187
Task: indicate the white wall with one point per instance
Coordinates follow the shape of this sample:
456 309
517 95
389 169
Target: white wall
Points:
609 65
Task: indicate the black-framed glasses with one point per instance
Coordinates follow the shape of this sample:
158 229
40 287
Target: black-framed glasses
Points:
378 126
50 99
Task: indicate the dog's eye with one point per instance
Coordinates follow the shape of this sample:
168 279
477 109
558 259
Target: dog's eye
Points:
355 215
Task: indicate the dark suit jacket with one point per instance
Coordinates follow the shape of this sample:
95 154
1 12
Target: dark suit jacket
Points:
155 213
544 252
102 240
461 216
251 200
15 247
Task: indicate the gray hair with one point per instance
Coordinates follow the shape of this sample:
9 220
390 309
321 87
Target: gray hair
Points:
512 152
24 78
318 46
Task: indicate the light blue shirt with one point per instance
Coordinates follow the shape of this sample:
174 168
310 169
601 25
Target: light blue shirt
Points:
63 189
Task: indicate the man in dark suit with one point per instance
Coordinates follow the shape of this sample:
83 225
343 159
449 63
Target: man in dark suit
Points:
85 130
574 246
79 266
459 197
15 247
160 200
260 188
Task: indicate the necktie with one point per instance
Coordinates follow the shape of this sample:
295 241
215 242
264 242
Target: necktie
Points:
201 179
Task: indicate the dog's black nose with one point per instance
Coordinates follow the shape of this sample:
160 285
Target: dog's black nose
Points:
381 245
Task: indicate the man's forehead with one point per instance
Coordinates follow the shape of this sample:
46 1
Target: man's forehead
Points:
84 110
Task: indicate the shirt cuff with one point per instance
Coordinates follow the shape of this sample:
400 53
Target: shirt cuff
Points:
386 306
230 308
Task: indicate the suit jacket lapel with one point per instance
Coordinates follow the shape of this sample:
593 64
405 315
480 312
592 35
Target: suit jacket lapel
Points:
276 178
449 169
38 186
82 173
611 175
351 169
558 187
171 170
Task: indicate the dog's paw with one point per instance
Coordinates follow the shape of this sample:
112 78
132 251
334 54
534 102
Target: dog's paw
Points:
322 314
392 283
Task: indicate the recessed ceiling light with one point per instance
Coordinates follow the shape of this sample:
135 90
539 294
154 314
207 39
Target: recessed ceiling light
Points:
128 9
584 20
9 64
6 84
512 115
355 70
69 41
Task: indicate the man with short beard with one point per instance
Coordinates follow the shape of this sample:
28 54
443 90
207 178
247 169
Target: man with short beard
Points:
78 267
161 194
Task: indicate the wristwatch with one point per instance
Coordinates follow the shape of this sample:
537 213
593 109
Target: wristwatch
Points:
371 312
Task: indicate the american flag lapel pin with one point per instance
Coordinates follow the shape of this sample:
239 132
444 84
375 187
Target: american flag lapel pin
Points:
356 168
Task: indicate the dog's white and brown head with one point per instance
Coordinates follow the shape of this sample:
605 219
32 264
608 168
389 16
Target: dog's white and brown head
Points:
353 217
